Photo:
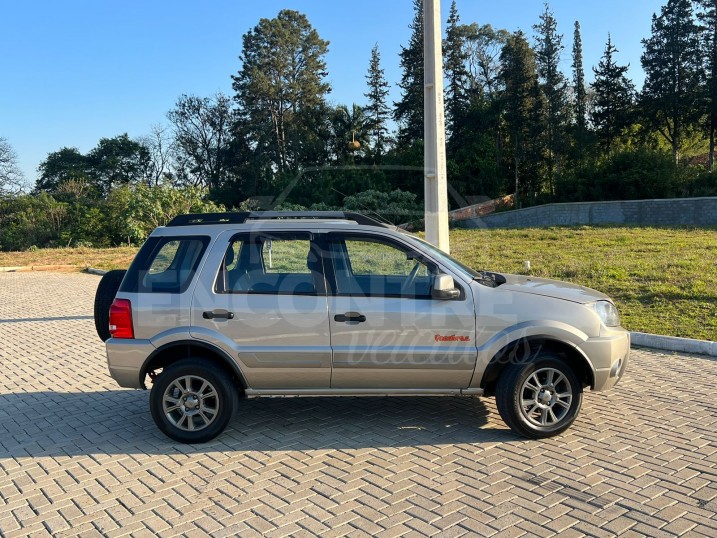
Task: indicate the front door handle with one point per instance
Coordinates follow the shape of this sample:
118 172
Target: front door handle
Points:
350 316
218 314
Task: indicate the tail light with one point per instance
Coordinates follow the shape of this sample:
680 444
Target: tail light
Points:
121 319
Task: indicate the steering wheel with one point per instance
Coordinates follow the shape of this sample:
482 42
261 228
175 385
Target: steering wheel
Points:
411 278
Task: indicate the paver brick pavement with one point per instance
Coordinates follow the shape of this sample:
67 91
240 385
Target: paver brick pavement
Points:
81 457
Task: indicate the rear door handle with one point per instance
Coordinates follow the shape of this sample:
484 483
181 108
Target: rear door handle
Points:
218 314
350 316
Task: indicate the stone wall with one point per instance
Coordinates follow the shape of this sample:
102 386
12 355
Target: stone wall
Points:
667 212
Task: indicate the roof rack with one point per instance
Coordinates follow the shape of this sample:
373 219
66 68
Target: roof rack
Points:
193 219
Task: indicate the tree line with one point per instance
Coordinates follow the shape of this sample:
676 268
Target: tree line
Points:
517 124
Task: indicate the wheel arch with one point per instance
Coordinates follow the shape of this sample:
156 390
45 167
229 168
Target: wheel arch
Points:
171 352
523 349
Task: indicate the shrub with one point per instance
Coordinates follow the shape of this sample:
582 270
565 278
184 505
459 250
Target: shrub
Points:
396 206
27 220
149 207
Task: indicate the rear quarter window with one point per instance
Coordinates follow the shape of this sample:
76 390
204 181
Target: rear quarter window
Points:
165 265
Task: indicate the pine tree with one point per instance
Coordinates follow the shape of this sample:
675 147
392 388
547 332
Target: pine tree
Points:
520 101
554 88
377 111
614 97
708 20
280 88
454 64
672 64
408 112
581 99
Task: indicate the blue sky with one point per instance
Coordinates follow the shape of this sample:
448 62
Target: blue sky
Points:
78 70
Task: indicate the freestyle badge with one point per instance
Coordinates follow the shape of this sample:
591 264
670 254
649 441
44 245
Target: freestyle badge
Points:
451 338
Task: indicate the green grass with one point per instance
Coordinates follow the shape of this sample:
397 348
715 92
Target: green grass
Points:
99 258
663 280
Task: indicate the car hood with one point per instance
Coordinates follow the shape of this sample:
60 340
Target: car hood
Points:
552 288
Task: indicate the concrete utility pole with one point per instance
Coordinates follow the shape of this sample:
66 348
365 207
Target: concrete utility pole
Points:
434 129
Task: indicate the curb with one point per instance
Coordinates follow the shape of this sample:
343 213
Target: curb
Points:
30 268
93 271
673 343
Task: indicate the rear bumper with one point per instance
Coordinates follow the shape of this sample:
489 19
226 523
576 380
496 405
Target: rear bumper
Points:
125 359
609 356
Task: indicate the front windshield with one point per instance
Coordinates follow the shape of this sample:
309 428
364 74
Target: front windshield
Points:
448 260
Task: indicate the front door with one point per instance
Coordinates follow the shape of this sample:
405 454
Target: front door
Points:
386 330
268 307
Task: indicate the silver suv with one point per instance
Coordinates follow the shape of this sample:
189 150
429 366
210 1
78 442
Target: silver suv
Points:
221 306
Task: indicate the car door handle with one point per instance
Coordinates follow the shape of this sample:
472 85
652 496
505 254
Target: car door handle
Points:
218 314
350 316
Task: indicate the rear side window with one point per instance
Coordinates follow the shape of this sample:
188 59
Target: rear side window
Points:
165 265
277 264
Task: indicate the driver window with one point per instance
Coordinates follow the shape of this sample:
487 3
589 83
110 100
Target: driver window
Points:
369 267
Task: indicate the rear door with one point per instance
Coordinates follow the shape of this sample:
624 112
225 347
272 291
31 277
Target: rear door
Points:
386 330
266 303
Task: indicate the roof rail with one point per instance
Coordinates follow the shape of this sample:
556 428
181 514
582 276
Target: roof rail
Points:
209 218
241 217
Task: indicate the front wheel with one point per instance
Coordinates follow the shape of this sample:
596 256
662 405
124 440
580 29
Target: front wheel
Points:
540 398
192 401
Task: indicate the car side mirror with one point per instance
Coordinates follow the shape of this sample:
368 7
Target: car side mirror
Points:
444 288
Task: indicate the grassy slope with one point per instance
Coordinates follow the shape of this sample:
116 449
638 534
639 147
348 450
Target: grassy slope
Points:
663 280
107 258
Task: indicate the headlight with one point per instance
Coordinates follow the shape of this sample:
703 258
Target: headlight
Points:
607 313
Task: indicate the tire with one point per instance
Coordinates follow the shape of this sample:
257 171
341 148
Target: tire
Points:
203 387
105 294
540 398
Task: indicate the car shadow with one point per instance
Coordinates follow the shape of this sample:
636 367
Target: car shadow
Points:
43 319
118 422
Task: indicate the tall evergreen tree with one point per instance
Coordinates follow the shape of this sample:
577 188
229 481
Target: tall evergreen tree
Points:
280 88
708 19
580 96
614 97
454 64
482 124
408 112
520 100
549 46
377 111
672 65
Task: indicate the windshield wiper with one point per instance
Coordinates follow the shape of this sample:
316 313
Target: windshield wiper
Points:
490 279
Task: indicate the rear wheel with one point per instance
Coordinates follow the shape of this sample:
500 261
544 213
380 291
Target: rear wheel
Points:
105 294
192 401
540 398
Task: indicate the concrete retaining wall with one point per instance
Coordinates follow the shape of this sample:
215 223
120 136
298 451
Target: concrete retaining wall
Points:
667 212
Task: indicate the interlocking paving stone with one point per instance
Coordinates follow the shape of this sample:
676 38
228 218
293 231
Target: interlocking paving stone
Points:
81 457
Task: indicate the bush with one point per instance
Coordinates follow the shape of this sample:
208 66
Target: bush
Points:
704 184
637 174
27 220
149 207
396 207
128 215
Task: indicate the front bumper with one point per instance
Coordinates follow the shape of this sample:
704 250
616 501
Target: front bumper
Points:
125 359
609 355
